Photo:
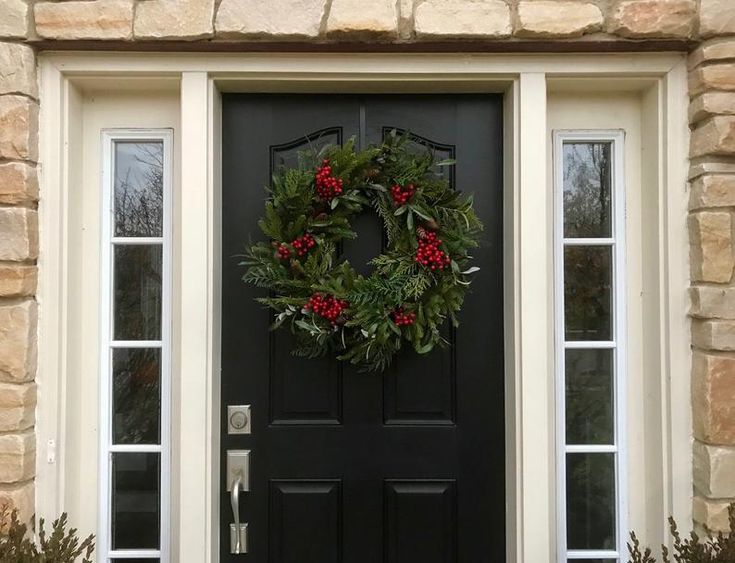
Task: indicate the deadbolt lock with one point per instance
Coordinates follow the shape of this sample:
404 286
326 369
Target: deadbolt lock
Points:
238 419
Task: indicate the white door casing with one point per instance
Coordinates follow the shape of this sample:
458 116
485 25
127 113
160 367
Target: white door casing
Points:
191 85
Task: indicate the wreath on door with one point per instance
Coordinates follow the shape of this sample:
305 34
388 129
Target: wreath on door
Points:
417 283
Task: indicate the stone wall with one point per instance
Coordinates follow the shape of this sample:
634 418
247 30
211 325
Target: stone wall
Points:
26 25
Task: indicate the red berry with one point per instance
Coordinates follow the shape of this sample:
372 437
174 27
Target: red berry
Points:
327 307
327 186
429 254
402 319
401 194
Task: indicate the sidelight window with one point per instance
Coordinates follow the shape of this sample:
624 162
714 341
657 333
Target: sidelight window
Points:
590 338
135 357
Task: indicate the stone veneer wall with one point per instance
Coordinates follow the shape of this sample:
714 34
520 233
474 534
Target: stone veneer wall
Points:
710 24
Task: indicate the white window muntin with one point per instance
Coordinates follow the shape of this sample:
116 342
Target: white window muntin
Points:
108 344
616 343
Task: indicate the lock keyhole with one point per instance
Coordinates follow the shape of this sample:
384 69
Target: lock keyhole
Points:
238 420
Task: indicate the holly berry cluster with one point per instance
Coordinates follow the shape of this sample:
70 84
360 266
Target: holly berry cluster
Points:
401 318
283 251
326 306
401 194
429 254
301 245
327 186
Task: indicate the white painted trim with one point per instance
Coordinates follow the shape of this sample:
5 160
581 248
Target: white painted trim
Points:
676 357
529 295
196 426
107 343
534 315
619 333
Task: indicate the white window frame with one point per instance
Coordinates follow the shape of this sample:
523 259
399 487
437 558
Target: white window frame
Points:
199 79
107 343
616 138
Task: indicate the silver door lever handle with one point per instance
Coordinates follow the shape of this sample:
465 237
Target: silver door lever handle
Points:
237 481
235 503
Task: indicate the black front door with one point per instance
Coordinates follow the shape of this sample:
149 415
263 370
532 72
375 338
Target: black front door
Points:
403 467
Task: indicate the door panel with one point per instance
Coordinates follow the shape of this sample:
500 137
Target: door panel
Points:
405 466
421 521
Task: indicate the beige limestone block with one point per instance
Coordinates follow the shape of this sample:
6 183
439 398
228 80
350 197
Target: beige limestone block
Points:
97 19
17 280
713 190
358 18
18 183
17 70
710 166
712 302
712 514
713 50
17 457
20 497
710 234
653 18
712 77
713 335
13 19
174 19
462 18
557 18
18 233
716 17
17 406
713 398
714 470
709 104
277 19
18 128
18 343
715 136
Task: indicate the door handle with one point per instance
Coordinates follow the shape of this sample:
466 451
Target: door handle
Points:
238 532
238 473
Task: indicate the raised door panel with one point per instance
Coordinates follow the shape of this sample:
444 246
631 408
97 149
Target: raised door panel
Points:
302 391
420 522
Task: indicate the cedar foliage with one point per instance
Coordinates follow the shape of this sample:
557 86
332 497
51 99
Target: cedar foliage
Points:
60 546
716 549
367 337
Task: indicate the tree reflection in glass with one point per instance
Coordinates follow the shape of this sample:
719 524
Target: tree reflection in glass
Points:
136 374
587 292
138 189
137 291
591 501
587 189
589 396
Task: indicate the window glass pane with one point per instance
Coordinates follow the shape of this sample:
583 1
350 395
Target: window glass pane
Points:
137 292
136 374
589 396
136 500
591 501
137 560
587 186
587 297
591 560
138 189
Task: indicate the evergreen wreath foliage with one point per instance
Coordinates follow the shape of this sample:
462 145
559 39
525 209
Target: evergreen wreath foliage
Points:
417 283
